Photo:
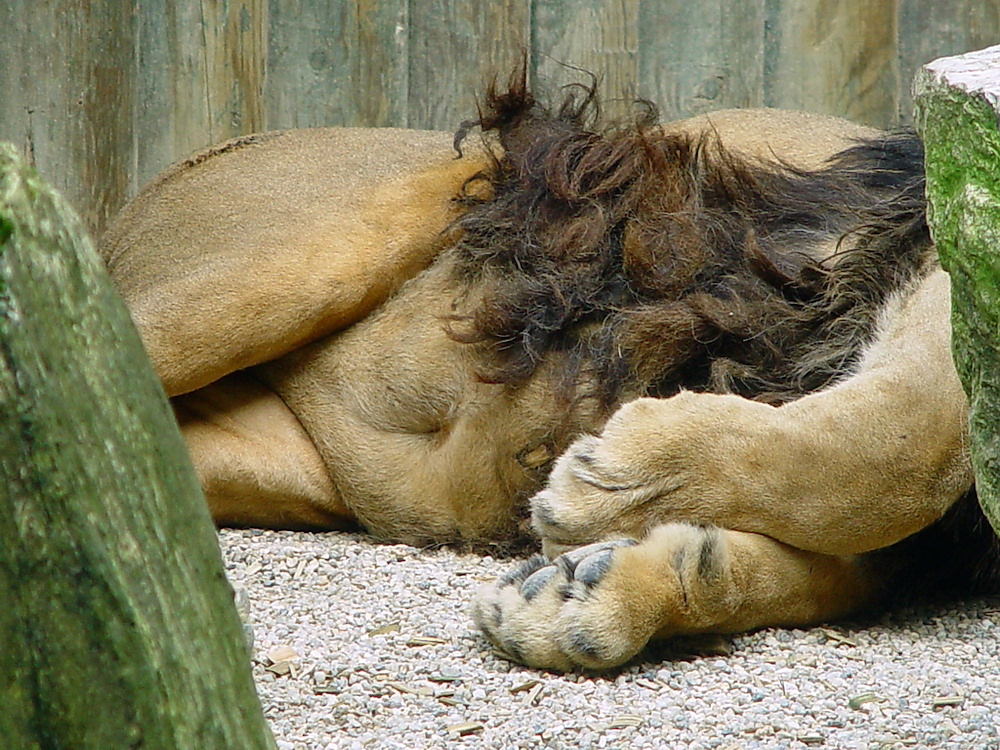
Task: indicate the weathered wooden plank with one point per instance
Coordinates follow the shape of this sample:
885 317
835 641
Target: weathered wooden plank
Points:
106 93
201 76
697 57
597 36
454 46
834 58
66 76
337 62
929 29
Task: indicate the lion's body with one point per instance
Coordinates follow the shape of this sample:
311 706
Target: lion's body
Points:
305 297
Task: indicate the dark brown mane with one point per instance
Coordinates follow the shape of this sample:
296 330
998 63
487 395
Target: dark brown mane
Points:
662 262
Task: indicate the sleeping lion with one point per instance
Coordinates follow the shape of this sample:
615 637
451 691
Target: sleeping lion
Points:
708 360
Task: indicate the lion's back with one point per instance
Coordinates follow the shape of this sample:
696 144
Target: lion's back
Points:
801 139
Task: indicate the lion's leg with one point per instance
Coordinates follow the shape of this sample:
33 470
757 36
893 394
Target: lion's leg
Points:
317 227
254 461
853 468
597 606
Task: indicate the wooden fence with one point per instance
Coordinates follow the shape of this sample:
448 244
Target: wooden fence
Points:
104 93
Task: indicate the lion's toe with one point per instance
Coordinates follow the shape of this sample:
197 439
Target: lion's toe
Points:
580 499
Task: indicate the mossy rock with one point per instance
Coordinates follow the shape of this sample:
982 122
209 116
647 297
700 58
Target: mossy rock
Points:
958 101
117 622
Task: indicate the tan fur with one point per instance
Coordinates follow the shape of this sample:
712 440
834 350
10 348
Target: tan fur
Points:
659 589
292 290
254 248
801 139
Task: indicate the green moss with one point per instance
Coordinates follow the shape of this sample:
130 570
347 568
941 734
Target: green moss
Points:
962 143
117 623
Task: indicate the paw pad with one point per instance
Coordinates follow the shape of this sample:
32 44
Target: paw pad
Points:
534 583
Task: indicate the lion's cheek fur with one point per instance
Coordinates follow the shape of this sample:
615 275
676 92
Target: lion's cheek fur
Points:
417 444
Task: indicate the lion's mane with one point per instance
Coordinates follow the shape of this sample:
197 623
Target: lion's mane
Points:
661 261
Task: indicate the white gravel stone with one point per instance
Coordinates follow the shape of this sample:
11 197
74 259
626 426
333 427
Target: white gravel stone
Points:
322 594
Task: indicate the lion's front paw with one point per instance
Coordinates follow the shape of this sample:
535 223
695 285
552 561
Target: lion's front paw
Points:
588 497
602 486
562 615
597 606
692 458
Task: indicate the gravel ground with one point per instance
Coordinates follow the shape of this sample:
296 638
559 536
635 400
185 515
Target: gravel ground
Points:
384 655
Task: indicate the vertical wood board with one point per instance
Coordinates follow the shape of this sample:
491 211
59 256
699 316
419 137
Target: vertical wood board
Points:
703 56
454 49
570 40
66 80
836 58
337 62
